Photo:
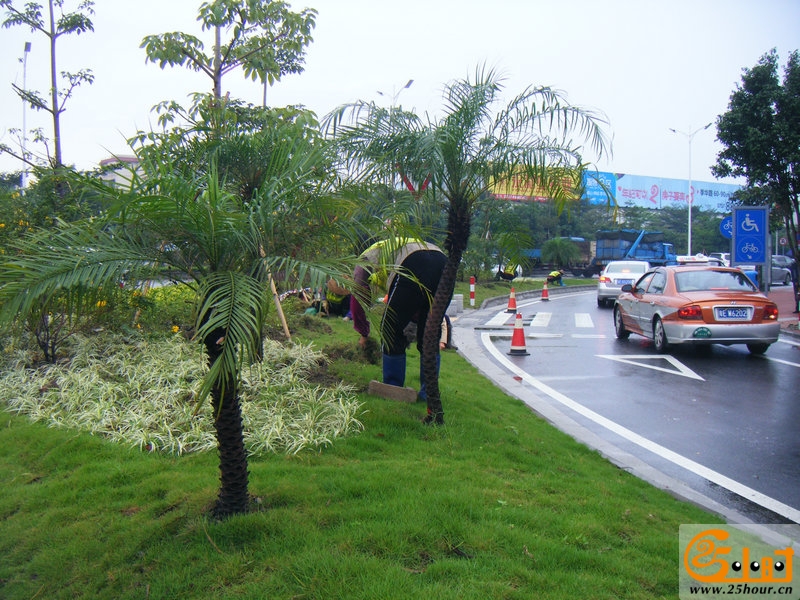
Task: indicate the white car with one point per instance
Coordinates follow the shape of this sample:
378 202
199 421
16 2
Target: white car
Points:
725 257
616 274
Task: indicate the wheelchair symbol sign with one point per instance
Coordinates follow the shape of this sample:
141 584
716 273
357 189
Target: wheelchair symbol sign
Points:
750 228
749 225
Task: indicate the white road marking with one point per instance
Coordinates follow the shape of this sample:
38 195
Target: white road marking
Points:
583 320
541 336
679 367
718 478
780 360
498 320
541 319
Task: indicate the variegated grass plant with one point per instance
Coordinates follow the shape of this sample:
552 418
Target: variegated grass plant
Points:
141 391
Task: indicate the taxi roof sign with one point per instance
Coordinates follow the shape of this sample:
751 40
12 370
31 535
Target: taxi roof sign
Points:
700 260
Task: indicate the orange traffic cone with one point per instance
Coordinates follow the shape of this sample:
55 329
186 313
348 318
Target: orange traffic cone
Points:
545 293
518 339
512 302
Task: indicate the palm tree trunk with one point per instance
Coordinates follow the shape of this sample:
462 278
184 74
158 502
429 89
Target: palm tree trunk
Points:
459 221
433 331
233 495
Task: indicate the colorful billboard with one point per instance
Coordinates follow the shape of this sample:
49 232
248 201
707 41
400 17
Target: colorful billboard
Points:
628 190
521 188
660 192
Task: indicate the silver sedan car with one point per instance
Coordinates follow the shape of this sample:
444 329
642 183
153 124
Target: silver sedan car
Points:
616 274
780 275
782 269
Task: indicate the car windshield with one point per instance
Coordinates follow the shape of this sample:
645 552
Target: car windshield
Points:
708 279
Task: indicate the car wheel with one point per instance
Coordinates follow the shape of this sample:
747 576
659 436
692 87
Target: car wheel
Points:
600 302
757 348
619 326
659 337
787 280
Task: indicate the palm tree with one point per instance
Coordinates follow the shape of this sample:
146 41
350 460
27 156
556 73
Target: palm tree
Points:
461 155
180 215
560 251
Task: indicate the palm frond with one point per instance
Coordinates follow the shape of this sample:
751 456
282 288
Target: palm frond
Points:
233 305
75 260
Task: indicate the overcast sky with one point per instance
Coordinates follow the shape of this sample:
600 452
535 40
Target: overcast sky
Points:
647 66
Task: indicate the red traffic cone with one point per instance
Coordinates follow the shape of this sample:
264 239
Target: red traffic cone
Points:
512 302
545 293
518 339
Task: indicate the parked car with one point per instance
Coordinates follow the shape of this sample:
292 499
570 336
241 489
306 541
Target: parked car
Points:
616 274
697 305
787 262
780 275
782 269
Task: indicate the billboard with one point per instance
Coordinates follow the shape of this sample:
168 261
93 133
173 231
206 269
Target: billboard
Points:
660 192
627 190
521 188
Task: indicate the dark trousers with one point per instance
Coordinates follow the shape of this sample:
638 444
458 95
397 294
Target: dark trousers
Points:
410 299
339 308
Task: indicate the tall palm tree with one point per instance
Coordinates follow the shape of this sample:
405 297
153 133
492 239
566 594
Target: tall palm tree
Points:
476 143
179 215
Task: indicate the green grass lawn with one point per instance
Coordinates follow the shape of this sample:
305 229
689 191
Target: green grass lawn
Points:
496 504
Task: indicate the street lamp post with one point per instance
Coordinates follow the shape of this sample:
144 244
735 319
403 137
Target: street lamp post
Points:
395 95
690 137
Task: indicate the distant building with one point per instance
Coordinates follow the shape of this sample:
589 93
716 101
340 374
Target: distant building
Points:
118 169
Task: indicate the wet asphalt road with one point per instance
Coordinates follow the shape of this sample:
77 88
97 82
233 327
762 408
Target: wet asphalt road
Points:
720 428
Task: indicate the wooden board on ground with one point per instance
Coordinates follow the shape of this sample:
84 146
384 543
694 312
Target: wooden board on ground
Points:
392 392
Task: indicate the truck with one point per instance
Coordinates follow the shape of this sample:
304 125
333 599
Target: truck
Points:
629 244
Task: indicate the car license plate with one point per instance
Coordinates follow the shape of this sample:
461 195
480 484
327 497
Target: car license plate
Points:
733 314
624 281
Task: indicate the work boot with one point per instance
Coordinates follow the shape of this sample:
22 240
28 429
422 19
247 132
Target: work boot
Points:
394 369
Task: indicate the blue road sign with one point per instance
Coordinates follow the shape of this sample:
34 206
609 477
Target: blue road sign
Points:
750 235
726 227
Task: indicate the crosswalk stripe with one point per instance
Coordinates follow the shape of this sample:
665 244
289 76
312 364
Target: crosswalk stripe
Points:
541 319
498 320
